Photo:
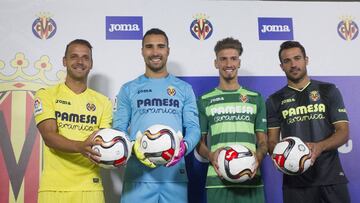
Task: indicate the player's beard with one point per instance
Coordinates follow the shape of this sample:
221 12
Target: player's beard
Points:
297 78
78 76
228 77
156 68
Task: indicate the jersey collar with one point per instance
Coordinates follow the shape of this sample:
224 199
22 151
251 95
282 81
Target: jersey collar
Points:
300 90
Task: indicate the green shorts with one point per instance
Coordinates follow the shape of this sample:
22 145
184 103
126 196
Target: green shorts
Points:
64 196
235 195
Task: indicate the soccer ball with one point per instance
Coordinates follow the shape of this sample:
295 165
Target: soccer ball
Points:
114 147
159 143
236 163
291 156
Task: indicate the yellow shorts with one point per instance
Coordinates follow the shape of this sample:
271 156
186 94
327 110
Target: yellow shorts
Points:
71 197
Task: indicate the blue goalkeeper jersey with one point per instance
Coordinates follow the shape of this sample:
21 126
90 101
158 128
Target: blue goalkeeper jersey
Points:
144 102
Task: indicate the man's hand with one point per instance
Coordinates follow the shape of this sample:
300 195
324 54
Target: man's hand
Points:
257 164
178 156
85 148
315 149
139 154
213 157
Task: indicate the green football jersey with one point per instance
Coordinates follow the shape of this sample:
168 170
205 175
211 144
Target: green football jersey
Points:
230 117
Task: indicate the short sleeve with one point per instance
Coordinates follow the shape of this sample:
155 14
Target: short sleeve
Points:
106 117
43 106
203 121
337 107
260 123
273 116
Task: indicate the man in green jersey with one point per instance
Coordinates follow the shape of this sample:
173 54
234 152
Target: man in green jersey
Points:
231 114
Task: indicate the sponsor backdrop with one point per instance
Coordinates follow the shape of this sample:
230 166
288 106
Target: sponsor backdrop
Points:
34 35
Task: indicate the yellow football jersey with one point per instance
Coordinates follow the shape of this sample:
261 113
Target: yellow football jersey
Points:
77 116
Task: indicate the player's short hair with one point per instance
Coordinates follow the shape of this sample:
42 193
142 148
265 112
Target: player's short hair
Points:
289 45
155 31
78 41
228 43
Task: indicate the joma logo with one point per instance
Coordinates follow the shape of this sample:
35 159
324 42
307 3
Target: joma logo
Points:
275 28
124 27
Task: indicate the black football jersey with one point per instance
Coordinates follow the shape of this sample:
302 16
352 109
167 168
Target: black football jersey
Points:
310 114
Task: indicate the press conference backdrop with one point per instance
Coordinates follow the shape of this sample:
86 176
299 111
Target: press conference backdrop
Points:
34 33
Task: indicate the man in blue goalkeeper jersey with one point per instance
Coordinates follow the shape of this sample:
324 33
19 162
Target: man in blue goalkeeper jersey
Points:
156 97
315 112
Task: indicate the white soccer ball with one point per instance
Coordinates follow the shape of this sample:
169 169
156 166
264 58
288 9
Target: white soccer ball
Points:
160 143
114 147
291 156
236 163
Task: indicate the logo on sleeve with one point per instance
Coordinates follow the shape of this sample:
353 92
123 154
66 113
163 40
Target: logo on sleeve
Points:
115 104
37 107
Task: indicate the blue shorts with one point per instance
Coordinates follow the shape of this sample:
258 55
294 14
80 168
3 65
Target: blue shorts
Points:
161 192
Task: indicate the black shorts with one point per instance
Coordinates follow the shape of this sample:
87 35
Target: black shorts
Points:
318 194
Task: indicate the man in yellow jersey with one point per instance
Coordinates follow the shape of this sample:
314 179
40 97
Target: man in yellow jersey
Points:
67 116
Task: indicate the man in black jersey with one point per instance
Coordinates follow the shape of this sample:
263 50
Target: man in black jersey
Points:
313 111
